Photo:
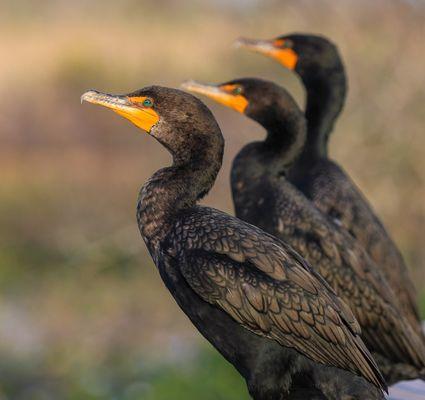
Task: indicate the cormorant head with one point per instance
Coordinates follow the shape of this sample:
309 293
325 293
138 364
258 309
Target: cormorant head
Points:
173 117
305 54
263 101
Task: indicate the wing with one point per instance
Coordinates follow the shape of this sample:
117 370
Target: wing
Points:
340 260
335 194
269 289
348 269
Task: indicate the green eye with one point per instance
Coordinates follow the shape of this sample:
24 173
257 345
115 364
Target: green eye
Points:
288 43
147 103
237 90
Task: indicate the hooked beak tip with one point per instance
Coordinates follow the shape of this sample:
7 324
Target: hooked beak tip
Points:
88 96
237 43
241 42
188 84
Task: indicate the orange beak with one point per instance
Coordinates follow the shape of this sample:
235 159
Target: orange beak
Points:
127 107
271 48
221 94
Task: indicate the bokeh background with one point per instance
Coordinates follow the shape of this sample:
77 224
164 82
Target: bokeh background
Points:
83 312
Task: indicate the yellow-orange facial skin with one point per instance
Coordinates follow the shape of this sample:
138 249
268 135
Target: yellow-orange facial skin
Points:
143 117
285 55
224 94
275 49
131 108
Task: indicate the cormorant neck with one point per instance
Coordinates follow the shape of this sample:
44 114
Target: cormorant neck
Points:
326 92
173 189
286 134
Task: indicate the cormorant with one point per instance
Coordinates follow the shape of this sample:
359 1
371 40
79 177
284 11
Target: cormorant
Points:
317 62
264 197
253 297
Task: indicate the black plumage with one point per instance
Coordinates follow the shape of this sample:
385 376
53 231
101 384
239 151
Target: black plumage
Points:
321 179
256 300
263 196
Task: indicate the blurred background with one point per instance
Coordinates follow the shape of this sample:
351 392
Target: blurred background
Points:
83 312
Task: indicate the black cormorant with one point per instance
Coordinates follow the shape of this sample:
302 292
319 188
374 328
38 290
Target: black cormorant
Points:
254 298
317 62
263 196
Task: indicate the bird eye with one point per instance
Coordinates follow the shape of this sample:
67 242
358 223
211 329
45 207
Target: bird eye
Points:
237 90
288 43
283 43
147 103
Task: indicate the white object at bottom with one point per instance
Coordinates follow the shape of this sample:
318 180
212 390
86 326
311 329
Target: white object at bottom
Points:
408 390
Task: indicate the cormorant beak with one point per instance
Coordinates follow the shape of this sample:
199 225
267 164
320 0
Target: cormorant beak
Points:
127 106
271 48
220 93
